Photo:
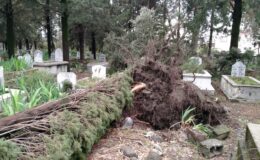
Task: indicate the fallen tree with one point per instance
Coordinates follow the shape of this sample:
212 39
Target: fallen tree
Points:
167 96
66 128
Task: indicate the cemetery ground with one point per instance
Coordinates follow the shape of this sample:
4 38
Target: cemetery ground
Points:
65 118
174 144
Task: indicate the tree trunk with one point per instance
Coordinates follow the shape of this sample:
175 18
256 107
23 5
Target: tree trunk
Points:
27 45
236 16
211 29
10 36
194 42
179 21
20 47
152 4
93 48
35 44
65 31
48 27
195 37
81 41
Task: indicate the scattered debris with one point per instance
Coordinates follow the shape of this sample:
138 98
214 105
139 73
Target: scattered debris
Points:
153 137
153 156
157 148
195 136
128 152
221 132
211 148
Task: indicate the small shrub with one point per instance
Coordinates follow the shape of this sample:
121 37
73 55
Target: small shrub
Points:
192 66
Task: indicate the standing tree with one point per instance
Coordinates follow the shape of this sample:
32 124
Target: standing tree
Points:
10 35
236 16
65 29
218 15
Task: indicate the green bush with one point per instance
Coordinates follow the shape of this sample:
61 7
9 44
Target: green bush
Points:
192 66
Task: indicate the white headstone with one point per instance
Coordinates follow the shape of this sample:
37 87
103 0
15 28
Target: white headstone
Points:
28 59
238 69
38 56
19 52
99 71
58 55
20 57
197 60
67 76
102 58
78 55
52 56
2 80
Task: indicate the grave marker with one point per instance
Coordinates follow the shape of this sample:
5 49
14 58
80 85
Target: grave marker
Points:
238 69
66 77
28 59
102 58
52 56
2 81
78 55
20 57
38 56
58 57
99 71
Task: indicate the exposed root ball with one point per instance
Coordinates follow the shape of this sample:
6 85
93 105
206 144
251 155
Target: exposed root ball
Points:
167 96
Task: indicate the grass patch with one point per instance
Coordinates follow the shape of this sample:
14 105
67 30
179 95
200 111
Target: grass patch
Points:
14 65
244 81
37 87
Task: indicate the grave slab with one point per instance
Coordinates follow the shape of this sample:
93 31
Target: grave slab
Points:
202 80
244 93
253 140
52 67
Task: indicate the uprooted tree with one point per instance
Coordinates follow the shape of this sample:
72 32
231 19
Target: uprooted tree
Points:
66 128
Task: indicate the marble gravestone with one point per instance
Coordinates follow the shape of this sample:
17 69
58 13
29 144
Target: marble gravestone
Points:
38 56
52 56
99 71
28 59
20 57
197 60
67 76
78 55
102 58
2 81
58 55
238 69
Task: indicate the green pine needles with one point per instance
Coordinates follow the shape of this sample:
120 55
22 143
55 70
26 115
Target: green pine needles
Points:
73 132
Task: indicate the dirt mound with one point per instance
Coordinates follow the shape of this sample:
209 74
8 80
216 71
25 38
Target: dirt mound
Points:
167 96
